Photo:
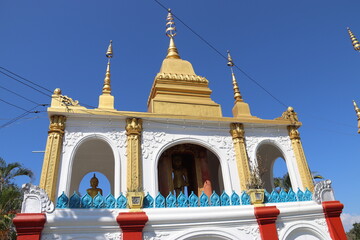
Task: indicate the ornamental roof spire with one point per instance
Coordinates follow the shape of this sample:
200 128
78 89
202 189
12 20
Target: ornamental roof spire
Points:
357 110
240 109
354 41
107 86
237 94
171 33
106 100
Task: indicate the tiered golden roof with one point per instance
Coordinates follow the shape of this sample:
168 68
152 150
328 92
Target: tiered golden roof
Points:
177 89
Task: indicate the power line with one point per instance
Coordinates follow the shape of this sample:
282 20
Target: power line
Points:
27 112
26 79
18 95
222 55
12 105
25 83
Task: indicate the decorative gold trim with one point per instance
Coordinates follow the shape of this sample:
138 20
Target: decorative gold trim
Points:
50 169
302 164
237 132
134 167
182 77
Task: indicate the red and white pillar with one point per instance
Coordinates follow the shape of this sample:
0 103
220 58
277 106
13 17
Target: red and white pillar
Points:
332 211
132 224
29 225
266 218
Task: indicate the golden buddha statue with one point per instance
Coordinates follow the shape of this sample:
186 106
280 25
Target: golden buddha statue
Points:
180 175
94 190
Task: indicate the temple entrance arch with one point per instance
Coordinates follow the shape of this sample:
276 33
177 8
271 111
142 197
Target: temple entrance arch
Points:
189 167
267 154
93 155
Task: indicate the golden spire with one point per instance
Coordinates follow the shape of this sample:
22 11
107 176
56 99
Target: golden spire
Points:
237 95
357 110
171 33
354 41
107 86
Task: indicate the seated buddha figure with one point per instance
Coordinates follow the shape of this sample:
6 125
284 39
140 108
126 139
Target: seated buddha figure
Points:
94 190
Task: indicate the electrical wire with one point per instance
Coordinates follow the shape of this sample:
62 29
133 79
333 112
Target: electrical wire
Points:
27 112
7 70
25 83
6 89
11 104
223 56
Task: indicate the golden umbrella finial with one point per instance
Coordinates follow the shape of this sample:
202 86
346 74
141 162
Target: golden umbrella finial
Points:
109 52
357 110
237 95
107 86
171 33
353 39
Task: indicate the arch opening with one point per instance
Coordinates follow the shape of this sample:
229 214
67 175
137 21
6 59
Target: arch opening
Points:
93 155
189 168
270 160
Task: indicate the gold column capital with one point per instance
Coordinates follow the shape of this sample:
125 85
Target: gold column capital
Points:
57 124
294 134
133 126
237 130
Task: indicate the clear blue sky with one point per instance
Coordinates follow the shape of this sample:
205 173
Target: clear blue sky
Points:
299 51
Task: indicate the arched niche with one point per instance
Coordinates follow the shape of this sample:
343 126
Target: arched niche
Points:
304 231
104 183
192 165
93 155
266 154
281 174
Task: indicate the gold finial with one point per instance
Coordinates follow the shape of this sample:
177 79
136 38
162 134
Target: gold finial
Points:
354 41
237 95
107 86
109 52
357 110
171 33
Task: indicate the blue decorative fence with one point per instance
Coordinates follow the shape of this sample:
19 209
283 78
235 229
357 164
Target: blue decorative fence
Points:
171 201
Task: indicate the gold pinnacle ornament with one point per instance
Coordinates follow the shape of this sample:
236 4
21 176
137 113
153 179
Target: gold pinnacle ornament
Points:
237 95
357 110
107 86
171 33
354 41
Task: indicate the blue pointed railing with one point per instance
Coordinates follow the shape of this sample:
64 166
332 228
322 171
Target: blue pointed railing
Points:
181 201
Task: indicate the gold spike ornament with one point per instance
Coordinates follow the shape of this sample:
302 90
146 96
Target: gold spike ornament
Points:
237 95
107 85
357 110
354 41
171 33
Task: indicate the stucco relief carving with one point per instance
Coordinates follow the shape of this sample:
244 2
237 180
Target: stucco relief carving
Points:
119 138
36 200
155 236
113 236
323 192
224 143
152 141
251 230
70 139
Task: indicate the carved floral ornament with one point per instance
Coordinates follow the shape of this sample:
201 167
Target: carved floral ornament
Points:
133 126
36 200
182 77
237 130
57 123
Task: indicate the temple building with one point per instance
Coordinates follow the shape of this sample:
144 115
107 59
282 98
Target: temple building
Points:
179 171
